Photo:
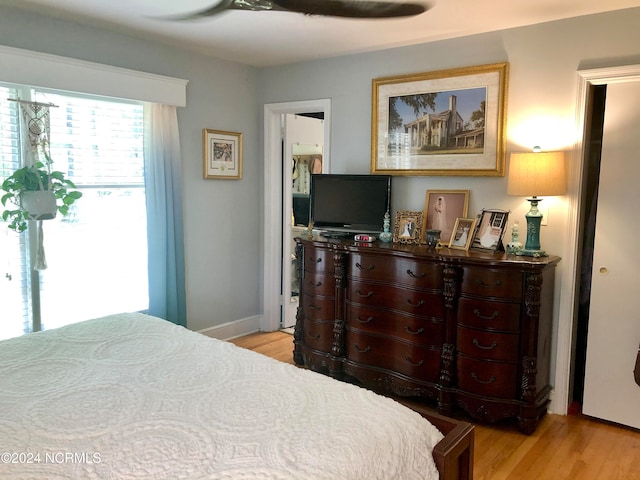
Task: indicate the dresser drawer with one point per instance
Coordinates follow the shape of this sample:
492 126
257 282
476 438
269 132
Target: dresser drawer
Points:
315 283
318 308
410 301
414 361
318 335
487 345
318 260
397 270
487 282
489 315
424 331
487 378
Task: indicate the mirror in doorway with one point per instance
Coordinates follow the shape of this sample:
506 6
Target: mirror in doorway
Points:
303 167
307 160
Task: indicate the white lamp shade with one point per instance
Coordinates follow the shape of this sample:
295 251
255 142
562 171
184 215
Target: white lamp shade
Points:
539 174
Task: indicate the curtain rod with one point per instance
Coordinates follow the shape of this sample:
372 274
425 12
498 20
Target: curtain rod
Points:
32 103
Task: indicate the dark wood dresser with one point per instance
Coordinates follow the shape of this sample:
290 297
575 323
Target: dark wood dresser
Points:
468 330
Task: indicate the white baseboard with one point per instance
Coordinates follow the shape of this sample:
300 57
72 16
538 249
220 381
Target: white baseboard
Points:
556 405
230 330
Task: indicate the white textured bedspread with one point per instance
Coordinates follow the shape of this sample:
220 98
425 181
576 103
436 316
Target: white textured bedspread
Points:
134 397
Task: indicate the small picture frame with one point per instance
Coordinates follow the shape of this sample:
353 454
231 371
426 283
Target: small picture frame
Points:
490 229
222 154
408 227
441 208
462 235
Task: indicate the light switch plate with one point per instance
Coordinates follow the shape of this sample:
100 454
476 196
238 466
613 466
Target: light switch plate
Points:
545 215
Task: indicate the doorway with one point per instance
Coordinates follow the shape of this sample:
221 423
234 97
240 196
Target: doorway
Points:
277 221
593 151
302 148
613 331
566 335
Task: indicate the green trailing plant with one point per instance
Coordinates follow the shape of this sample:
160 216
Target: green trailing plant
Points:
31 179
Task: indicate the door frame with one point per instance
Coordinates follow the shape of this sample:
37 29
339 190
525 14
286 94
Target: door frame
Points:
273 224
571 263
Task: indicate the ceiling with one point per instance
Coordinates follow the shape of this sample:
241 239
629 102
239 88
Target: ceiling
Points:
276 38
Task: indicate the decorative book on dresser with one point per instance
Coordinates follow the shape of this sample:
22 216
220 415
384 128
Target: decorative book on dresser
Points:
468 330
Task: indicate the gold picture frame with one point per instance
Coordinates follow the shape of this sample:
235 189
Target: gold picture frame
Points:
448 122
462 235
222 154
441 209
407 227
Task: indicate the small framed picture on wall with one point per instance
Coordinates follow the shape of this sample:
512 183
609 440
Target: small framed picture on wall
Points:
222 154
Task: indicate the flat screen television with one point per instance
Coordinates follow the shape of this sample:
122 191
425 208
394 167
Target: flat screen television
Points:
345 203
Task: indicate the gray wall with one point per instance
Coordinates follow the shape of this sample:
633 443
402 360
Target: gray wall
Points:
542 95
541 99
221 216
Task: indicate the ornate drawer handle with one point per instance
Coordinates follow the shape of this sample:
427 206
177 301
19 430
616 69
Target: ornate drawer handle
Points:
411 274
413 332
491 317
417 304
360 267
314 337
480 283
362 350
317 284
365 295
315 307
364 320
486 382
315 260
419 364
483 347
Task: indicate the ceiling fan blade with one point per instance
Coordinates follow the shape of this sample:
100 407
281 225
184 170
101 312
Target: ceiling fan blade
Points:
224 5
332 8
219 7
352 9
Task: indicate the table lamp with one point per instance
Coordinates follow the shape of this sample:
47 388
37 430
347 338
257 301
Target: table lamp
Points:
536 174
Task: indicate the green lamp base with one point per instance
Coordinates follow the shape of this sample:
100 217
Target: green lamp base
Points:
534 220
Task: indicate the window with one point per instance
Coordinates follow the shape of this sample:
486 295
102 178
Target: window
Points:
96 256
15 288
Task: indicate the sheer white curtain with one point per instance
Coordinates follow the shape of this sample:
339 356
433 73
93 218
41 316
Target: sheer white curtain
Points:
163 183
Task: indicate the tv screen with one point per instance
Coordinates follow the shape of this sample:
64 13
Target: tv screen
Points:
349 203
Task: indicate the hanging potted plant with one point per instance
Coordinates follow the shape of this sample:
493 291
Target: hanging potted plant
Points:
36 193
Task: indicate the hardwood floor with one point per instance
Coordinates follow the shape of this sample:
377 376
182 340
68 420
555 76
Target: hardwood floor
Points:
562 447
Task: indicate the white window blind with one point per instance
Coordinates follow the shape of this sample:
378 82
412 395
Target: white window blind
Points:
15 289
96 256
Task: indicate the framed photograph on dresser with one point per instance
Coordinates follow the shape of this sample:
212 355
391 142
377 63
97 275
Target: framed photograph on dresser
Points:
462 233
441 209
490 228
407 227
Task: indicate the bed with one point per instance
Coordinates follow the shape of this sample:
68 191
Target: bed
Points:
132 396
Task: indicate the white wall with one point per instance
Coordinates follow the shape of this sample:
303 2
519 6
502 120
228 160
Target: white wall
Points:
541 104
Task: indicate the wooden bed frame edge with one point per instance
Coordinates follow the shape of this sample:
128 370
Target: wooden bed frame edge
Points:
454 453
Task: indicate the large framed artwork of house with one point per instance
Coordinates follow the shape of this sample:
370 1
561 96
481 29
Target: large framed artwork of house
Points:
449 122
